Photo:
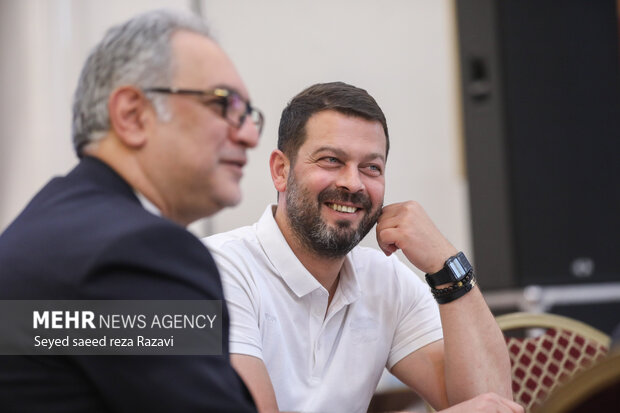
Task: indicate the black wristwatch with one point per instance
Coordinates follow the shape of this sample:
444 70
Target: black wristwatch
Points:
455 269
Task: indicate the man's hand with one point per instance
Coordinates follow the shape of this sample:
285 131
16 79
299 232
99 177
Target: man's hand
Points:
407 227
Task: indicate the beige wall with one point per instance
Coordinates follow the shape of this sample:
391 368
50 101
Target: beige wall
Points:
402 51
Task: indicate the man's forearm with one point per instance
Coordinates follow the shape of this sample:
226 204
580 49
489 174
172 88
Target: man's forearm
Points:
476 357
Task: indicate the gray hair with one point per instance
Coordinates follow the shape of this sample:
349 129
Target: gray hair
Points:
137 53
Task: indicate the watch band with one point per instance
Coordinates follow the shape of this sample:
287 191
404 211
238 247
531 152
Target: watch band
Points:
447 295
454 269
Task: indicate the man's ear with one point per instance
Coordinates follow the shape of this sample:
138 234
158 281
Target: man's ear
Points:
279 165
129 109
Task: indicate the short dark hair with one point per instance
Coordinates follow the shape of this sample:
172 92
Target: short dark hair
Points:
338 96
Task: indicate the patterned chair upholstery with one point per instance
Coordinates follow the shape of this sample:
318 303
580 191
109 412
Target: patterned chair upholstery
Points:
596 389
548 352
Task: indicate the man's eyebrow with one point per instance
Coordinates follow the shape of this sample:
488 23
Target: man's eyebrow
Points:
339 152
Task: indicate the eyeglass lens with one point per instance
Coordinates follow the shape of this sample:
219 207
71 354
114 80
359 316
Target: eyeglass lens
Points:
237 110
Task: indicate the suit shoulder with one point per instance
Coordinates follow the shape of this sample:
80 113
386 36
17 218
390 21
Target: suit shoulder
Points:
157 239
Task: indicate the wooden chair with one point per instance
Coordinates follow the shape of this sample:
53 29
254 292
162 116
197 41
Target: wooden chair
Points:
559 348
596 389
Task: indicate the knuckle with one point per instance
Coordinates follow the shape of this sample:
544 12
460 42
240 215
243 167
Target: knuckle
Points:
411 206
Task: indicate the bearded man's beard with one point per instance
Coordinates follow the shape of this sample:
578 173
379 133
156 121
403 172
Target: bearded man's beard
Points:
304 216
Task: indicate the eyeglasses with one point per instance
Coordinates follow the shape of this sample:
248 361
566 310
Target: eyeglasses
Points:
235 109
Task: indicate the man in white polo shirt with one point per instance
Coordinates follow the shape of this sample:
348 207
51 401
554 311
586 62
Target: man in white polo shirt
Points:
314 318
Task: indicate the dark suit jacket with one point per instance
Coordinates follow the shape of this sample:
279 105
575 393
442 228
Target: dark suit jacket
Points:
86 236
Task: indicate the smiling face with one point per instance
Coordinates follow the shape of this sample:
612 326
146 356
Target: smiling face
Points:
196 158
335 187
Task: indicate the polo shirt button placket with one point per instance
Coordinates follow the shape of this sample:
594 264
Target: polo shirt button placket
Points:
317 369
319 309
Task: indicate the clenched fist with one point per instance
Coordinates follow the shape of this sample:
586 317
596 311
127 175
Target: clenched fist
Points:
407 227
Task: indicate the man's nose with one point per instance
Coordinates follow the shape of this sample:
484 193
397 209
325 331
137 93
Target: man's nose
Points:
350 179
247 134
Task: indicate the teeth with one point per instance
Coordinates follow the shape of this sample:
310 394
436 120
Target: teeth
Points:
342 208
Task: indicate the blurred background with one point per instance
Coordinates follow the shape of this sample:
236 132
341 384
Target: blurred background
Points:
403 52
503 115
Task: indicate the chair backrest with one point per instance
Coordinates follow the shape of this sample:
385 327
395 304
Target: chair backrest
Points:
560 348
597 389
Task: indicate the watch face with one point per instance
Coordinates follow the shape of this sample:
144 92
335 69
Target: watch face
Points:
459 266
457 269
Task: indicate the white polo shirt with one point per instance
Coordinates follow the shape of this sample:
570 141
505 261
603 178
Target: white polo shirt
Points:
319 359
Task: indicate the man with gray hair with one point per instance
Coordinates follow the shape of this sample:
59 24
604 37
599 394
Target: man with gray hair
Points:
161 125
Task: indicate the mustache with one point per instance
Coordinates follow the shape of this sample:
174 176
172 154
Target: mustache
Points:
341 195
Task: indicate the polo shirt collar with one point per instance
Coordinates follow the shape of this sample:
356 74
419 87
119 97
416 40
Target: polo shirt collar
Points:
288 266
348 284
